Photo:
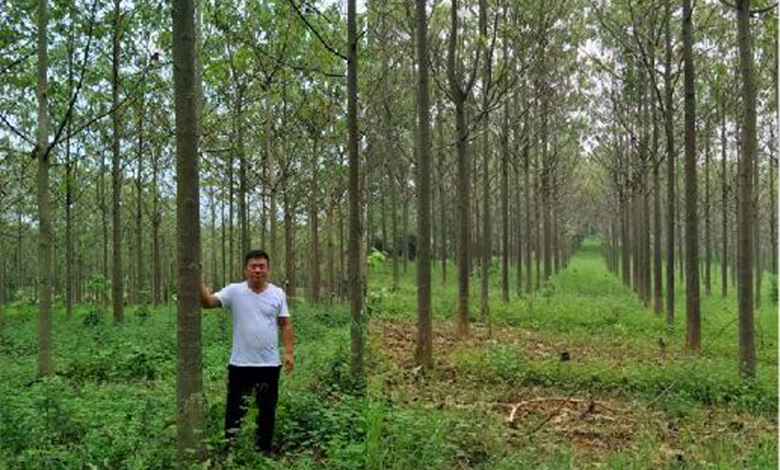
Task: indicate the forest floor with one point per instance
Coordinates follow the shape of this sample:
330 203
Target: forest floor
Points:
111 401
581 375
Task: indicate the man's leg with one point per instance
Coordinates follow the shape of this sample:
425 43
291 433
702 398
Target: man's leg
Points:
267 395
239 388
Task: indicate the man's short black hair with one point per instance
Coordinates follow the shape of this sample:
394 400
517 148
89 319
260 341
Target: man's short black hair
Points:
252 254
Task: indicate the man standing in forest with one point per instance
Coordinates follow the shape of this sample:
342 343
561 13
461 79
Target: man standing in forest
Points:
259 310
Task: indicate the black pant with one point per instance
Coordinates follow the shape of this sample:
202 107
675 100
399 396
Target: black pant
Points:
264 383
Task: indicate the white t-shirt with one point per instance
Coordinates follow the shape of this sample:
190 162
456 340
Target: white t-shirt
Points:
255 327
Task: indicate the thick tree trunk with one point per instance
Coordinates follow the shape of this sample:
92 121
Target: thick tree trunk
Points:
189 381
747 348
424 348
486 245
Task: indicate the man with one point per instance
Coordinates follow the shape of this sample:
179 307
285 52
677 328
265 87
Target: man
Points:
259 311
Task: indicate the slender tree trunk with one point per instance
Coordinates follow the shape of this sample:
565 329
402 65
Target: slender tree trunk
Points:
486 245
356 231
213 207
505 205
45 361
757 265
670 165
528 214
289 249
724 256
116 174
69 167
314 223
747 348
397 250
707 221
189 381
772 208
156 222
424 347
693 302
140 277
658 284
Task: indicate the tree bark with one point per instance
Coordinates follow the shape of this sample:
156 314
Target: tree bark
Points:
747 348
356 231
189 382
693 306
45 361
116 174
424 347
724 257
670 165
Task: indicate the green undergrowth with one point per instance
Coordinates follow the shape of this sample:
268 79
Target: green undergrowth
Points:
682 410
111 402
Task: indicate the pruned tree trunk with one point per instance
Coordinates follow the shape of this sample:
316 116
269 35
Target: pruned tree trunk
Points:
693 302
724 256
424 346
116 174
356 230
670 164
189 381
749 144
45 361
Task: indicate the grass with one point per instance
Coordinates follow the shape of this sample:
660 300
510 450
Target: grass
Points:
629 395
111 402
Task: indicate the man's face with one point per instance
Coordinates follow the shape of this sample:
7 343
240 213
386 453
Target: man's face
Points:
256 270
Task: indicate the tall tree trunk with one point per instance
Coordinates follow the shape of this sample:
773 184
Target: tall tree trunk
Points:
189 381
116 174
505 205
314 223
486 245
707 221
356 231
139 254
772 208
724 256
693 302
397 250
658 284
289 250
45 361
757 265
747 348
670 164
527 197
69 167
424 348
156 222
213 207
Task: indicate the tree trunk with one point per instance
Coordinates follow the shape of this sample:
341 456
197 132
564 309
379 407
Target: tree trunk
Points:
156 222
314 223
707 221
747 348
724 256
670 165
189 382
505 205
140 277
116 174
693 305
487 229
424 348
45 361
355 229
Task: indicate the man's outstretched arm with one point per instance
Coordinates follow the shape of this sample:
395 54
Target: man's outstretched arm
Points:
207 299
